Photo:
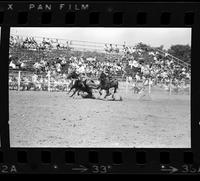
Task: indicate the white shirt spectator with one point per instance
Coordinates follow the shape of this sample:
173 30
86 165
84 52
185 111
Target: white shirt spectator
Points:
81 69
133 50
12 65
152 53
34 78
23 65
133 63
144 70
188 75
164 74
137 77
58 67
166 54
37 65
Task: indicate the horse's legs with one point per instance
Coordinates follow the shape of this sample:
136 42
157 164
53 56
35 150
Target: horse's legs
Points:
78 92
100 92
107 93
70 90
114 92
90 94
74 92
70 86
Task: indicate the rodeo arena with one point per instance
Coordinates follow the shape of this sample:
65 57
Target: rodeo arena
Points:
69 93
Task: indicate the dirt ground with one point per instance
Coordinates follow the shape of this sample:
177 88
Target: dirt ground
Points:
53 119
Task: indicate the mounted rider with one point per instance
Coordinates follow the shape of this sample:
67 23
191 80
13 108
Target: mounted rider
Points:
107 72
82 77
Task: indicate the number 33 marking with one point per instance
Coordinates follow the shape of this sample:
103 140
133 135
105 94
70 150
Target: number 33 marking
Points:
99 169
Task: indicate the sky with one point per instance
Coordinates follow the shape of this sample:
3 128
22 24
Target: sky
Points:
132 36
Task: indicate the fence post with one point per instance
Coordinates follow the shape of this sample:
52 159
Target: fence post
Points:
170 86
19 80
127 85
149 86
49 81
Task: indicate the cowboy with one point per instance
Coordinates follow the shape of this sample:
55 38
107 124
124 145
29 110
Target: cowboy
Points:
108 72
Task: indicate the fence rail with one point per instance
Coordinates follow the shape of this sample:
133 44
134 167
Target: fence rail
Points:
51 83
27 80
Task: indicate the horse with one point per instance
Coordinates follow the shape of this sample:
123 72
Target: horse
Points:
106 83
72 75
80 85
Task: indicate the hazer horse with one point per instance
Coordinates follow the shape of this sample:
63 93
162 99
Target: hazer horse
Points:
106 83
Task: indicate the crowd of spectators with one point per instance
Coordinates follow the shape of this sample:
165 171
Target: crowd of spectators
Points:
161 70
33 44
137 64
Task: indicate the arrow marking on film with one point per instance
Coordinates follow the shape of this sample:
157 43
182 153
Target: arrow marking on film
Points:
171 169
81 168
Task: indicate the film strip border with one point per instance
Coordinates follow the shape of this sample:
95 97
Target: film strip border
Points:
98 14
98 161
94 160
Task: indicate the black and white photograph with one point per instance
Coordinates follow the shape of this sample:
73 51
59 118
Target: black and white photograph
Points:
100 87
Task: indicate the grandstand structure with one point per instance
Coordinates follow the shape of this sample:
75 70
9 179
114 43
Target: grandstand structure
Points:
82 46
175 59
74 44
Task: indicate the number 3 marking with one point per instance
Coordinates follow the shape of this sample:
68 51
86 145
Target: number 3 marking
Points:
96 169
186 168
103 169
